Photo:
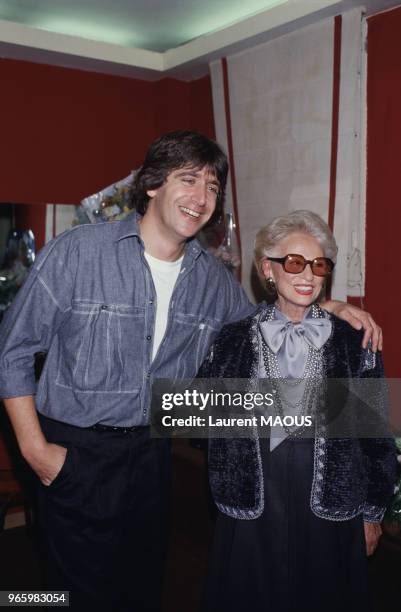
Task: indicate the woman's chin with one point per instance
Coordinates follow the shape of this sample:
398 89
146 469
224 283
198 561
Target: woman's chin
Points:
296 303
303 298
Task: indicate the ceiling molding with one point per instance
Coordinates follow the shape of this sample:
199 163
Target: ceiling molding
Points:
35 38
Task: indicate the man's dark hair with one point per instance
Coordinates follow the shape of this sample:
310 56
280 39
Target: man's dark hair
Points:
173 151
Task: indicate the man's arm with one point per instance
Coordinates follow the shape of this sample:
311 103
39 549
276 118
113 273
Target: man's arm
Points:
359 319
237 301
28 327
45 459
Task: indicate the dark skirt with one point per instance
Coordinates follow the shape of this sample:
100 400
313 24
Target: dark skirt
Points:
288 559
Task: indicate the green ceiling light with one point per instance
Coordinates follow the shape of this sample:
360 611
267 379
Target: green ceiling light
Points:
178 22
208 23
83 29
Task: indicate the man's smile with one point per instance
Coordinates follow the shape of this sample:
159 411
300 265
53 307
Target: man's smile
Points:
190 212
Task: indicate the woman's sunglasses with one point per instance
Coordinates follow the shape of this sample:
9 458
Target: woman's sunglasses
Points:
294 264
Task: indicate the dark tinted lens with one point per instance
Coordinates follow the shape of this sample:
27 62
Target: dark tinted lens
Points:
321 266
294 264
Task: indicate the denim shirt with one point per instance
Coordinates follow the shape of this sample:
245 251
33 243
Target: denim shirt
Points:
90 303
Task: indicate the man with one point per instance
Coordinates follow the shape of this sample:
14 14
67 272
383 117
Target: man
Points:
115 305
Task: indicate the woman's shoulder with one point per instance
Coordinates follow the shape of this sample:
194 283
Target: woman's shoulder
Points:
232 353
342 329
239 330
244 326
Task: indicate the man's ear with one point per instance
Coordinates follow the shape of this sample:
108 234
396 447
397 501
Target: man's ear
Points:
151 192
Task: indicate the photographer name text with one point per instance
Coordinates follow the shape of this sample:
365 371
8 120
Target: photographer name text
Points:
229 422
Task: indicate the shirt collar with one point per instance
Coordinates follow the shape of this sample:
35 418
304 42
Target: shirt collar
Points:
129 226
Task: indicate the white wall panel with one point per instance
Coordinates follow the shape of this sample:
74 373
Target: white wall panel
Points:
280 96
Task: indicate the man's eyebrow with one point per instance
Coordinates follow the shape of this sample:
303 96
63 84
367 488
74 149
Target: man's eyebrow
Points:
196 174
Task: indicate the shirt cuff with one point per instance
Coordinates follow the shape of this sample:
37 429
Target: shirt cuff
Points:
17 383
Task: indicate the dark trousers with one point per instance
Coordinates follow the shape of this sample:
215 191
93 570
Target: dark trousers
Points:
104 518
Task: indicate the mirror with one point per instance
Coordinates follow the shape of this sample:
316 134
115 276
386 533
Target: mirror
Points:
17 250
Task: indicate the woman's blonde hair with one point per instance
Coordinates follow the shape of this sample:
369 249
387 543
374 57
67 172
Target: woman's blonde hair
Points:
299 221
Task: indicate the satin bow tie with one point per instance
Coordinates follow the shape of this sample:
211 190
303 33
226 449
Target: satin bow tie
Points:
315 332
293 339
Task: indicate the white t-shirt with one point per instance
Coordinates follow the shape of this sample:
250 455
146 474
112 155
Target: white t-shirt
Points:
164 274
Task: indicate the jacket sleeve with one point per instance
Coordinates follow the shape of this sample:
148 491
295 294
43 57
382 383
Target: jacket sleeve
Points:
379 453
33 318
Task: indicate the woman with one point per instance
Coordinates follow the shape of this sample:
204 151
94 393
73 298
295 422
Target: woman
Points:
297 516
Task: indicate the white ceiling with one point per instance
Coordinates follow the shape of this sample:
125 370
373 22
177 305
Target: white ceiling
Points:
152 38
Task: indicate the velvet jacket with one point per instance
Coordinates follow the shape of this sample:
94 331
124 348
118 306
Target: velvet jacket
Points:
351 476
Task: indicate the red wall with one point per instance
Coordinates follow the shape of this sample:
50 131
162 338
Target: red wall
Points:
180 104
68 133
383 278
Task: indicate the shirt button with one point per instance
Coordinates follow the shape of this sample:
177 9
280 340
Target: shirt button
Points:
150 302
144 411
148 337
103 307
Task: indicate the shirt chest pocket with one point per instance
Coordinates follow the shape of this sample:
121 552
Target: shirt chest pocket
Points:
189 342
101 348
